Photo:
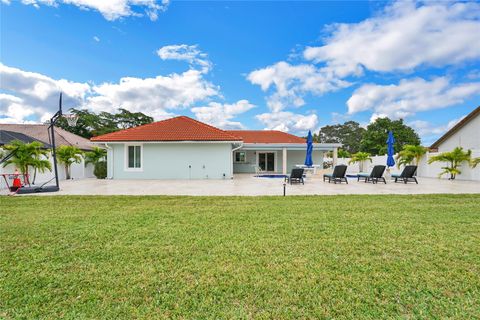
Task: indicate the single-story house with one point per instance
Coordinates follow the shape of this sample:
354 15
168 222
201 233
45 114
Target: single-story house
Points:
39 132
184 148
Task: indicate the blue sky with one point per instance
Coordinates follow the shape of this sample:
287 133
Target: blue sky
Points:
292 66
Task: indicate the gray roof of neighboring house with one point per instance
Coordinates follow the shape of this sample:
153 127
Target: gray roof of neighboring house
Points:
6 137
40 132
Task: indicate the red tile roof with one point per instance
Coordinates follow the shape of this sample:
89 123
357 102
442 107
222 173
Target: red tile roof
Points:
266 136
175 129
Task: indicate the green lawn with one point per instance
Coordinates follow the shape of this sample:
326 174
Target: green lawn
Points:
362 257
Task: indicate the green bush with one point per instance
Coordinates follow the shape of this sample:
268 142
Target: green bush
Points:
100 170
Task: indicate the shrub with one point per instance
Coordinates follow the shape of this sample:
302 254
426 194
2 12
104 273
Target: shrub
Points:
100 170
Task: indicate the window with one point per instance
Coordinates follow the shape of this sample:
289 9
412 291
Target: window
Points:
240 156
134 157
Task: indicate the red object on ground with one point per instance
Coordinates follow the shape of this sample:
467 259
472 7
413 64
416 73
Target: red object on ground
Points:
17 183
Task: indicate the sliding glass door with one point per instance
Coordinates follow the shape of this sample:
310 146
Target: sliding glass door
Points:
266 161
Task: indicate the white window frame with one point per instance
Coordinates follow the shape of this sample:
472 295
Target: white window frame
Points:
245 158
126 168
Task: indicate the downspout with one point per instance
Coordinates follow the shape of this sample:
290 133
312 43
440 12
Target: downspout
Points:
231 162
112 162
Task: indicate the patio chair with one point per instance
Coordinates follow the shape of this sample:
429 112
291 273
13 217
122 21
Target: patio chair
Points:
296 176
408 174
257 169
374 176
337 175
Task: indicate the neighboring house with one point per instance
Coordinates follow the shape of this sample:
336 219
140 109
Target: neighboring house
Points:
184 148
6 137
465 134
39 132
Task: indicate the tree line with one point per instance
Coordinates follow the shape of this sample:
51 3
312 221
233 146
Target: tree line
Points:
372 140
91 124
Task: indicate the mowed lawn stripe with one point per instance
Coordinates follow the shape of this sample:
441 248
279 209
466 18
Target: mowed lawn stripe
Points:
240 257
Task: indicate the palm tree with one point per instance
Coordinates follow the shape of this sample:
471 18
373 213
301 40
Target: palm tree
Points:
409 154
96 155
40 161
26 155
453 159
41 164
475 162
360 157
343 153
67 155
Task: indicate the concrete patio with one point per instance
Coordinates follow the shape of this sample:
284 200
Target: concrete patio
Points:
248 185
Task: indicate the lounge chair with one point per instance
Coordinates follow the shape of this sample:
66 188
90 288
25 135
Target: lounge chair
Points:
296 176
337 175
408 174
374 176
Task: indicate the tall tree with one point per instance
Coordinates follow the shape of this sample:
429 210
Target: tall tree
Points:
90 124
126 119
375 137
348 134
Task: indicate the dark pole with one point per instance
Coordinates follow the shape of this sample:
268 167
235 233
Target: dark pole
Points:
52 132
284 189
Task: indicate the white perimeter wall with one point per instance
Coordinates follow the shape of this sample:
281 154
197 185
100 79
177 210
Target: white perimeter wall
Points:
424 169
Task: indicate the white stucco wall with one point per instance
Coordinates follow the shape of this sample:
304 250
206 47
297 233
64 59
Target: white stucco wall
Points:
174 161
467 137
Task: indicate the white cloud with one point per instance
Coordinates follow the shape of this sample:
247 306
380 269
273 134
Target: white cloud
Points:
428 132
289 122
184 52
220 115
110 9
33 96
292 83
410 96
153 96
404 36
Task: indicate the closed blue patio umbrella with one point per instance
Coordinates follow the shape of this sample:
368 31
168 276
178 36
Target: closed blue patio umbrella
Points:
308 158
390 150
